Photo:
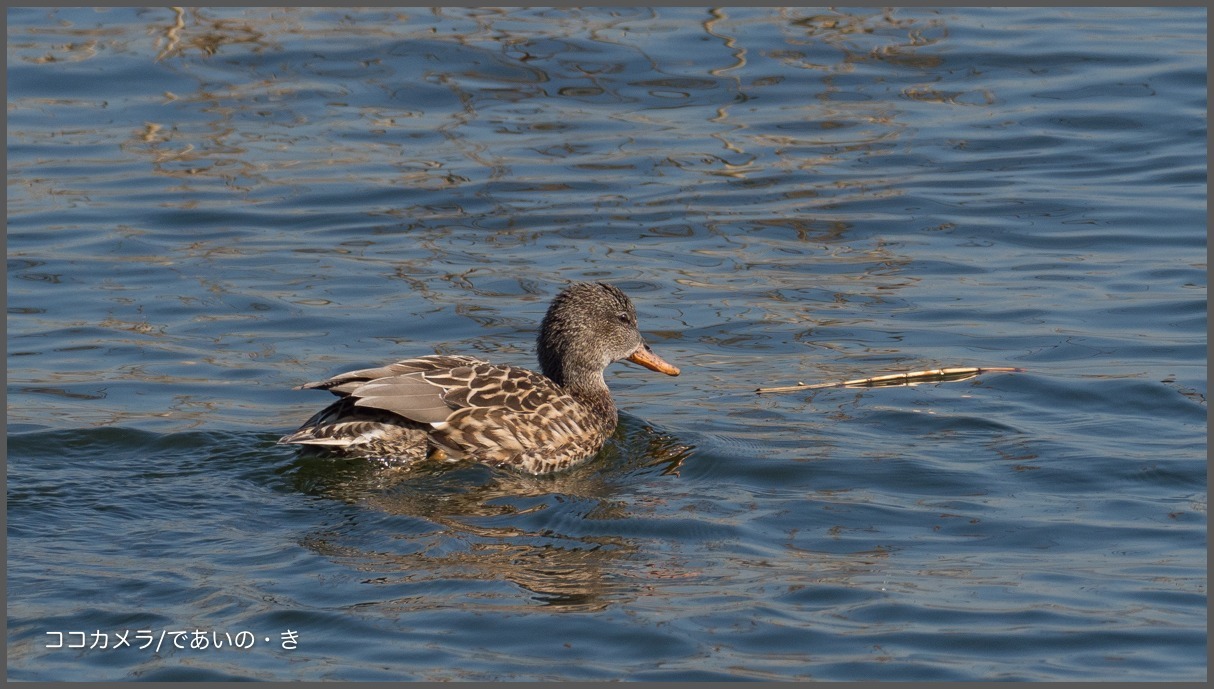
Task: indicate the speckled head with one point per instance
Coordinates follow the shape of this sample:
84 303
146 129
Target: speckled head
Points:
588 326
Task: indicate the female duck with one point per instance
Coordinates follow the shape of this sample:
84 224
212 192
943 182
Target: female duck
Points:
466 408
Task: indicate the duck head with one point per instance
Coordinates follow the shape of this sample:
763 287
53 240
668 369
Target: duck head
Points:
587 327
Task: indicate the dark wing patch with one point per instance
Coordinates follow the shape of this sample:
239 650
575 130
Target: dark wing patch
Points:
344 383
342 427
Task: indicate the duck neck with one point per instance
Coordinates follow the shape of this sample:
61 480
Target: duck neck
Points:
584 384
591 390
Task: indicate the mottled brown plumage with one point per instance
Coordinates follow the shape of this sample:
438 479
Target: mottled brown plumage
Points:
461 407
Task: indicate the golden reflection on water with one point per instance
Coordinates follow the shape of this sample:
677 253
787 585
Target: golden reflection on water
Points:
226 146
466 110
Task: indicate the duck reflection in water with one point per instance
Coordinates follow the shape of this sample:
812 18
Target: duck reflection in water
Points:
471 522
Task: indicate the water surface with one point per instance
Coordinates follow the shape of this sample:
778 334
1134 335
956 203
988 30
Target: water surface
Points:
209 207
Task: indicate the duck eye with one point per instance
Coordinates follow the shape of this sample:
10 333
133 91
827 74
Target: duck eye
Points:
623 318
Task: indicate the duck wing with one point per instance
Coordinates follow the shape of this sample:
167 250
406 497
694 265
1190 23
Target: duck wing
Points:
343 384
487 412
503 414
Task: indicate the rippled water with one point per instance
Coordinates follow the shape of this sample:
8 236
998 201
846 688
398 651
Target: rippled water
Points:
210 207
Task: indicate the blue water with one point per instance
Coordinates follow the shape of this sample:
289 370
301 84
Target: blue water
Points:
206 209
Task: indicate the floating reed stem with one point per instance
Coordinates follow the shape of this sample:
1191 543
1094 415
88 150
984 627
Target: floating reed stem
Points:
936 375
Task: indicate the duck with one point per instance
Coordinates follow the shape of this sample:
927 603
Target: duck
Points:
454 407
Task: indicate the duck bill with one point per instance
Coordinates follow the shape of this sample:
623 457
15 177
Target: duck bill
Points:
645 357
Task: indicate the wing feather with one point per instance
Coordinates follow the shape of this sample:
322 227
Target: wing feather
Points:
409 395
344 383
470 408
